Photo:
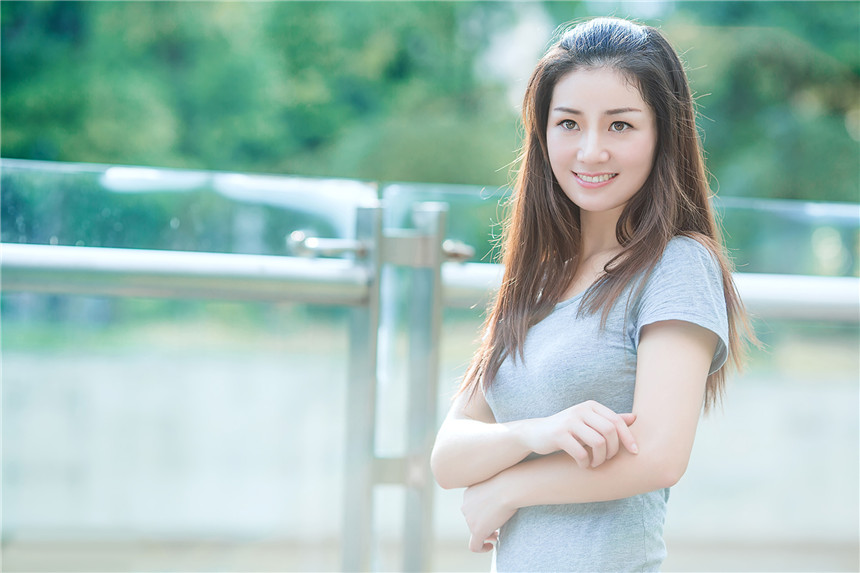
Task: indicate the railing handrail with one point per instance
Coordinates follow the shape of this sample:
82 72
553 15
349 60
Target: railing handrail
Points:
799 297
179 274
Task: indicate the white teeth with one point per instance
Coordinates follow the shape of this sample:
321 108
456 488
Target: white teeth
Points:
598 179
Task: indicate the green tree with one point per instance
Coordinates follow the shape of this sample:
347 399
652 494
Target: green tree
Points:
392 91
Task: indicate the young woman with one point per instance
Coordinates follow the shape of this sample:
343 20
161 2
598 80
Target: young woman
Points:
613 324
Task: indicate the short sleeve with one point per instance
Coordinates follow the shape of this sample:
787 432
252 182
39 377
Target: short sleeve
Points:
686 284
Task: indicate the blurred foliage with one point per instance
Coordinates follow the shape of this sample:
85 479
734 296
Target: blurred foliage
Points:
367 90
409 91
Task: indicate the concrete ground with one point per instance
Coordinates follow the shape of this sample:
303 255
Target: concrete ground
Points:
271 556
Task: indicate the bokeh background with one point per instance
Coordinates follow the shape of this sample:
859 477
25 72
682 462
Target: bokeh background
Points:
178 435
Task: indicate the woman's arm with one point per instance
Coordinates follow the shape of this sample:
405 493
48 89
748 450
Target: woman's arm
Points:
471 447
672 367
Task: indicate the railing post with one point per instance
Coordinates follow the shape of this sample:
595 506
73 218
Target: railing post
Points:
425 324
357 533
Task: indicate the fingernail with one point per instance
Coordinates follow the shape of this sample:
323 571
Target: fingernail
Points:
635 449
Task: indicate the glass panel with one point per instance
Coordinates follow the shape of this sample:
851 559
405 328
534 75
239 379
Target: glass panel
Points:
792 237
144 434
144 208
763 235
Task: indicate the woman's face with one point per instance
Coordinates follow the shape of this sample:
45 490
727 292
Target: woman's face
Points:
601 137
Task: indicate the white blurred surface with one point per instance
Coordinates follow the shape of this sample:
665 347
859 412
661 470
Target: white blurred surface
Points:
172 457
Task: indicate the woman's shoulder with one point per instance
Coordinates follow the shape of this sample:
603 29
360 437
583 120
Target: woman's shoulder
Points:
687 285
686 261
681 247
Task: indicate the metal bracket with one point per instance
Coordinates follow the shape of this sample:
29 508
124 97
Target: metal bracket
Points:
408 248
402 247
457 251
299 244
415 249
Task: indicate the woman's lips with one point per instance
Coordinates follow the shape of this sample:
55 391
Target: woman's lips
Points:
592 180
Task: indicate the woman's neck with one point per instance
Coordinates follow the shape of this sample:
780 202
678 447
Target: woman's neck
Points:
598 233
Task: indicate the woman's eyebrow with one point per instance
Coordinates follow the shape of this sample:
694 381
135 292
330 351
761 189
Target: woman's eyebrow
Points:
615 111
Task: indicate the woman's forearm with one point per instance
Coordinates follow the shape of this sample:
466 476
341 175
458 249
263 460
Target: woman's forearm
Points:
557 479
470 451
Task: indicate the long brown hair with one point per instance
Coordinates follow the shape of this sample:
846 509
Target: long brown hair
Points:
541 242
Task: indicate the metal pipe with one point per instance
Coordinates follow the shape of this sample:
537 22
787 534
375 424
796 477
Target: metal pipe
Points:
425 326
175 274
468 285
137 272
796 297
800 297
360 469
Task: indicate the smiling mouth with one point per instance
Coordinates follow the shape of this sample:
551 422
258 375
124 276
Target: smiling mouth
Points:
596 178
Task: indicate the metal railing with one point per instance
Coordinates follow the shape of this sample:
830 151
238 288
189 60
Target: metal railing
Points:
354 282
176 274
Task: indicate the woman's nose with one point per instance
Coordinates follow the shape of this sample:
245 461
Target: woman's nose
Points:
592 149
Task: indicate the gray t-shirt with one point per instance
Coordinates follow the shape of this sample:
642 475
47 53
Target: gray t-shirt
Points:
568 360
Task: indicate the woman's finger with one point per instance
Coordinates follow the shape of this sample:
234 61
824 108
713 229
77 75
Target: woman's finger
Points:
594 440
575 450
626 436
621 421
477 545
491 540
605 428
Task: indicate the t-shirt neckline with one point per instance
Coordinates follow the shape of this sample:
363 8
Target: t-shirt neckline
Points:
570 300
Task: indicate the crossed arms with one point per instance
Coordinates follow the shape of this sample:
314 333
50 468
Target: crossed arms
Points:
595 454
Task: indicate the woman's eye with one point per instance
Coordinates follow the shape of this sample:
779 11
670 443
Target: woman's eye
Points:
619 126
568 124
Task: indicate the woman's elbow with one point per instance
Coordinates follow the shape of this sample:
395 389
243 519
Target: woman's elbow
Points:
664 457
440 468
446 483
670 470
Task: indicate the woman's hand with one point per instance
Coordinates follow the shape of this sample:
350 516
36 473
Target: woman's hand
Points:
580 428
486 511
